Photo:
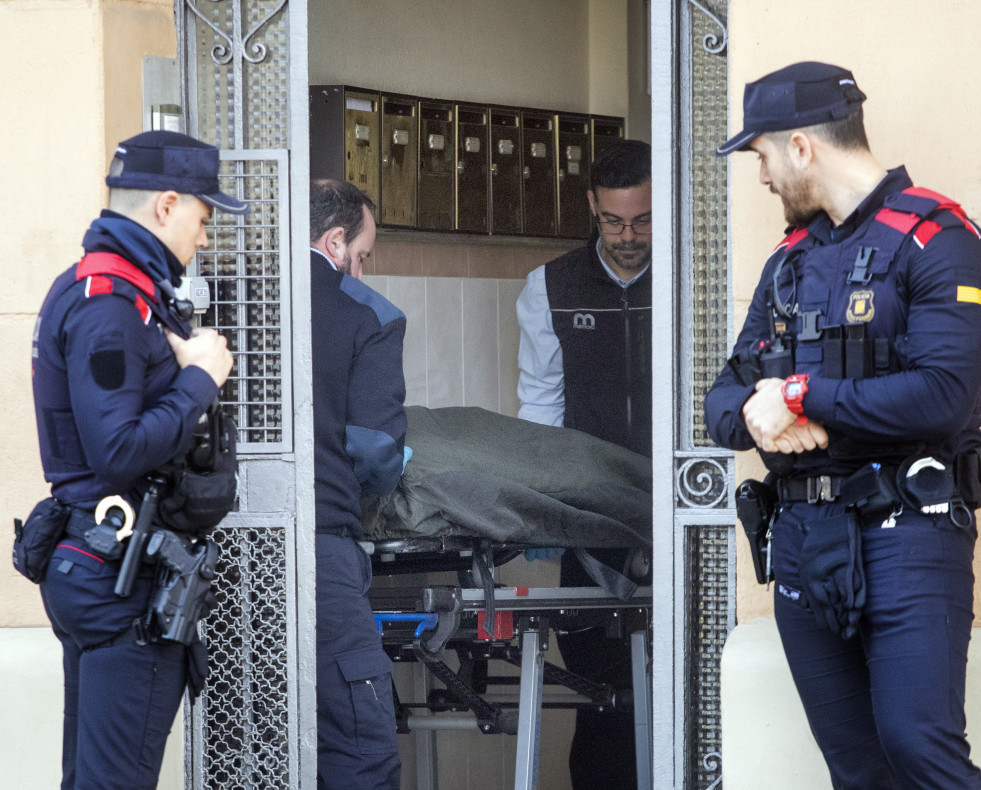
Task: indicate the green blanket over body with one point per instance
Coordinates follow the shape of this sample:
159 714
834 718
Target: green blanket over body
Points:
478 473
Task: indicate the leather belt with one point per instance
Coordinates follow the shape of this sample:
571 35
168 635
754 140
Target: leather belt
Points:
819 488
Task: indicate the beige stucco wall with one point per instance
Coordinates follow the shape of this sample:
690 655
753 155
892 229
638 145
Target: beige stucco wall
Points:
918 75
554 54
71 89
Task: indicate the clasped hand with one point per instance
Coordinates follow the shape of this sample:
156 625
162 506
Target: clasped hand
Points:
774 427
206 349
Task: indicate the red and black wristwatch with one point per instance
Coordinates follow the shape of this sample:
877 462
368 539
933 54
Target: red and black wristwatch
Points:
794 389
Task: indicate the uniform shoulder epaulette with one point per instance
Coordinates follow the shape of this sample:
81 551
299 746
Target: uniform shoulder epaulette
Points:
106 273
924 213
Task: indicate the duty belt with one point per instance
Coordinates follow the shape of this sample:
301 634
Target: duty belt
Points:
820 488
78 523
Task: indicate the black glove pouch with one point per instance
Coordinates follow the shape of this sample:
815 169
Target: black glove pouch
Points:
197 668
35 539
205 484
831 573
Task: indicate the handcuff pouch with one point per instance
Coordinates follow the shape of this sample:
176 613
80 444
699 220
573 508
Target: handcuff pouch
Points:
871 491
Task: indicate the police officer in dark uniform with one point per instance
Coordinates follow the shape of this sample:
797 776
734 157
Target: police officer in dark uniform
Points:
857 377
585 363
120 383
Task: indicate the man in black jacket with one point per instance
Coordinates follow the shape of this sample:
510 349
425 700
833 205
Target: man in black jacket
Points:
585 363
359 435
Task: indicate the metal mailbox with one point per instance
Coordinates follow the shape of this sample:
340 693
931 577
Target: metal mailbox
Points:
574 161
344 136
506 175
399 159
538 172
436 165
606 131
472 168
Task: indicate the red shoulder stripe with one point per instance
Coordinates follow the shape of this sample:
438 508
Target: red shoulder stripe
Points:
108 263
927 230
97 284
898 220
144 309
793 239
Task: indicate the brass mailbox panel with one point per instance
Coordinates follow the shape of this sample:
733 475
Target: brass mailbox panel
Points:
538 172
344 136
574 162
399 160
437 163
472 169
506 177
606 130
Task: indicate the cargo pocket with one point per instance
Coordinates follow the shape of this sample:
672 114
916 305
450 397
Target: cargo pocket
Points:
368 673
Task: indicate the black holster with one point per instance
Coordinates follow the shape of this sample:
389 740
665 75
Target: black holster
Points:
755 505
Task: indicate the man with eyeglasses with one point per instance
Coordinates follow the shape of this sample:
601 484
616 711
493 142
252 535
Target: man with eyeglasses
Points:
585 363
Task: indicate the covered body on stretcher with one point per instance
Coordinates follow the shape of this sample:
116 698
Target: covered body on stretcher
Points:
483 475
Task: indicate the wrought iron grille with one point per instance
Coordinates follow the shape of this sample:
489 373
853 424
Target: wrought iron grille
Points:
235 68
703 484
708 618
708 218
249 303
239 48
243 710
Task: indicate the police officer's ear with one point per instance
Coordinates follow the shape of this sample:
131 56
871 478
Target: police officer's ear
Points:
164 204
800 149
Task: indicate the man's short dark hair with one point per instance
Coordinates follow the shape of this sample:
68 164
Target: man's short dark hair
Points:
337 204
626 163
847 133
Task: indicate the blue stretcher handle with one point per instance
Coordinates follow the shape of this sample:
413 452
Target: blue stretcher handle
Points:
426 621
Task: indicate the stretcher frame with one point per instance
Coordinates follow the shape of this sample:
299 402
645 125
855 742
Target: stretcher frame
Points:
419 623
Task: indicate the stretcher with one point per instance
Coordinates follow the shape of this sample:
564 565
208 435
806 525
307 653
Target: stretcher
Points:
479 490
423 624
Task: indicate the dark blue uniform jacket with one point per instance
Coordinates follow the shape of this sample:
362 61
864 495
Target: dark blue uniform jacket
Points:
358 392
923 295
111 402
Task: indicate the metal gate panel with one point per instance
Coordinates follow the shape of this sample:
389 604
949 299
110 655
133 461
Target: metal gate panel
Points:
248 283
240 93
704 537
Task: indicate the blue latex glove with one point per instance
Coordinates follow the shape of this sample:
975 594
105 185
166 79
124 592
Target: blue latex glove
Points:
543 554
406 455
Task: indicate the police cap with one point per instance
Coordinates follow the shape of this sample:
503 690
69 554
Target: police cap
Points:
161 161
803 94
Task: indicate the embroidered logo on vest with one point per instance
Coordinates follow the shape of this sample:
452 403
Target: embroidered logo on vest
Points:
860 307
583 321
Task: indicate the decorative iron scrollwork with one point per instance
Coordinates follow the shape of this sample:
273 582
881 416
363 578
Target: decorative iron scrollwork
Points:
711 763
711 42
701 482
222 54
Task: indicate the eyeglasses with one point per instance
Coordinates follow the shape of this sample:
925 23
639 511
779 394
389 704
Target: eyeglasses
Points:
616 228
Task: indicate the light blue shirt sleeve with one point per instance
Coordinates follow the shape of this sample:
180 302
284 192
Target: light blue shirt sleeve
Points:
541 386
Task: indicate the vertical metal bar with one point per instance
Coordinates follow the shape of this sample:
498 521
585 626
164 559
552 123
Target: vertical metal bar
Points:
642 708
302 603
425 739
529 710
665 669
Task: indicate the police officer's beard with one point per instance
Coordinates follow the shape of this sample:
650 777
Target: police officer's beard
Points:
631 256
799 204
